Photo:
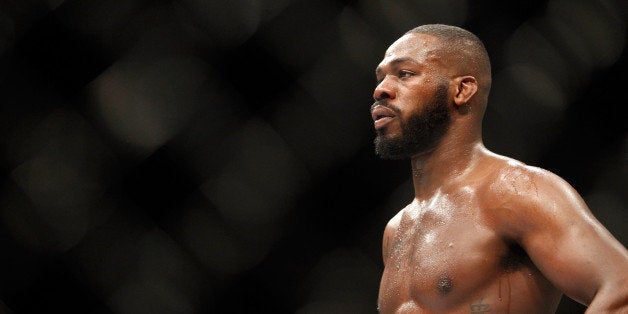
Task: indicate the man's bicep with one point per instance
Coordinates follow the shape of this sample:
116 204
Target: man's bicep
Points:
568 259
569 246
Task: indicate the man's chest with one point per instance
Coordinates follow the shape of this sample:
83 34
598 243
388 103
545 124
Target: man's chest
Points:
437 253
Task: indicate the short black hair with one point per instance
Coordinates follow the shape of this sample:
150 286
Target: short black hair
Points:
463 43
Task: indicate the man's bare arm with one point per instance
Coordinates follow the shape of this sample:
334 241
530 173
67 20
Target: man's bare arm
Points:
566 242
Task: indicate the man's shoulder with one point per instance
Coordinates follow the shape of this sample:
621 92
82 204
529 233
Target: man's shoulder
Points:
511 178
394 222
517 195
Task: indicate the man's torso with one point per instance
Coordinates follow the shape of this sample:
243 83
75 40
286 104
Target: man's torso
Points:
446 255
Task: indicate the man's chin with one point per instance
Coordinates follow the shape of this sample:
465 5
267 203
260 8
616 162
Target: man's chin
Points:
390 149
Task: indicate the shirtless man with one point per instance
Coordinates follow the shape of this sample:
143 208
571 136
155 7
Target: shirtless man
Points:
484 233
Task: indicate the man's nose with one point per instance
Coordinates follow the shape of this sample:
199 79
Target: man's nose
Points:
385 89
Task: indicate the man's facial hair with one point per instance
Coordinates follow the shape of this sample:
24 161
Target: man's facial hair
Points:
421 133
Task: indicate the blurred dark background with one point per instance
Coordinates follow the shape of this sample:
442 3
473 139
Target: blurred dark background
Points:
214 156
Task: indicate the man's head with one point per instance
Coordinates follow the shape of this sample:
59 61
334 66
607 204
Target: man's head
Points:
433 77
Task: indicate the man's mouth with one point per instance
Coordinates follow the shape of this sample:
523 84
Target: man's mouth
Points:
381 116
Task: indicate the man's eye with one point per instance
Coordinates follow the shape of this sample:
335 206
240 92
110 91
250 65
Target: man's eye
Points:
405 73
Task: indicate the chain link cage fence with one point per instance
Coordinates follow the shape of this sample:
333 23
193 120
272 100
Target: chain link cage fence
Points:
215 156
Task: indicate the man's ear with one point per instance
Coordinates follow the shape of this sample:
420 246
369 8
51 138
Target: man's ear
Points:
466 87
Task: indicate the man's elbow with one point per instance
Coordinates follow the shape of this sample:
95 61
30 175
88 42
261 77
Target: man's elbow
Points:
612 298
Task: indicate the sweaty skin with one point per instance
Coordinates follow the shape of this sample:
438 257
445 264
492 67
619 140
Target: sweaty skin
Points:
484 233
447 253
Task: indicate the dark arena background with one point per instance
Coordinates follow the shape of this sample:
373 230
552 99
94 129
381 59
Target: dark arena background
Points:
215 156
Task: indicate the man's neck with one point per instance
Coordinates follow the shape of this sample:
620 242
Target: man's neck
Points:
446 163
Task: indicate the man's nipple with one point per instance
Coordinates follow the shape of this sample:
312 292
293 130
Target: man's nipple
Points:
444 285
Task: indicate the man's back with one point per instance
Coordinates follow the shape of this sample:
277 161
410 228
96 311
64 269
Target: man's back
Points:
449 254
